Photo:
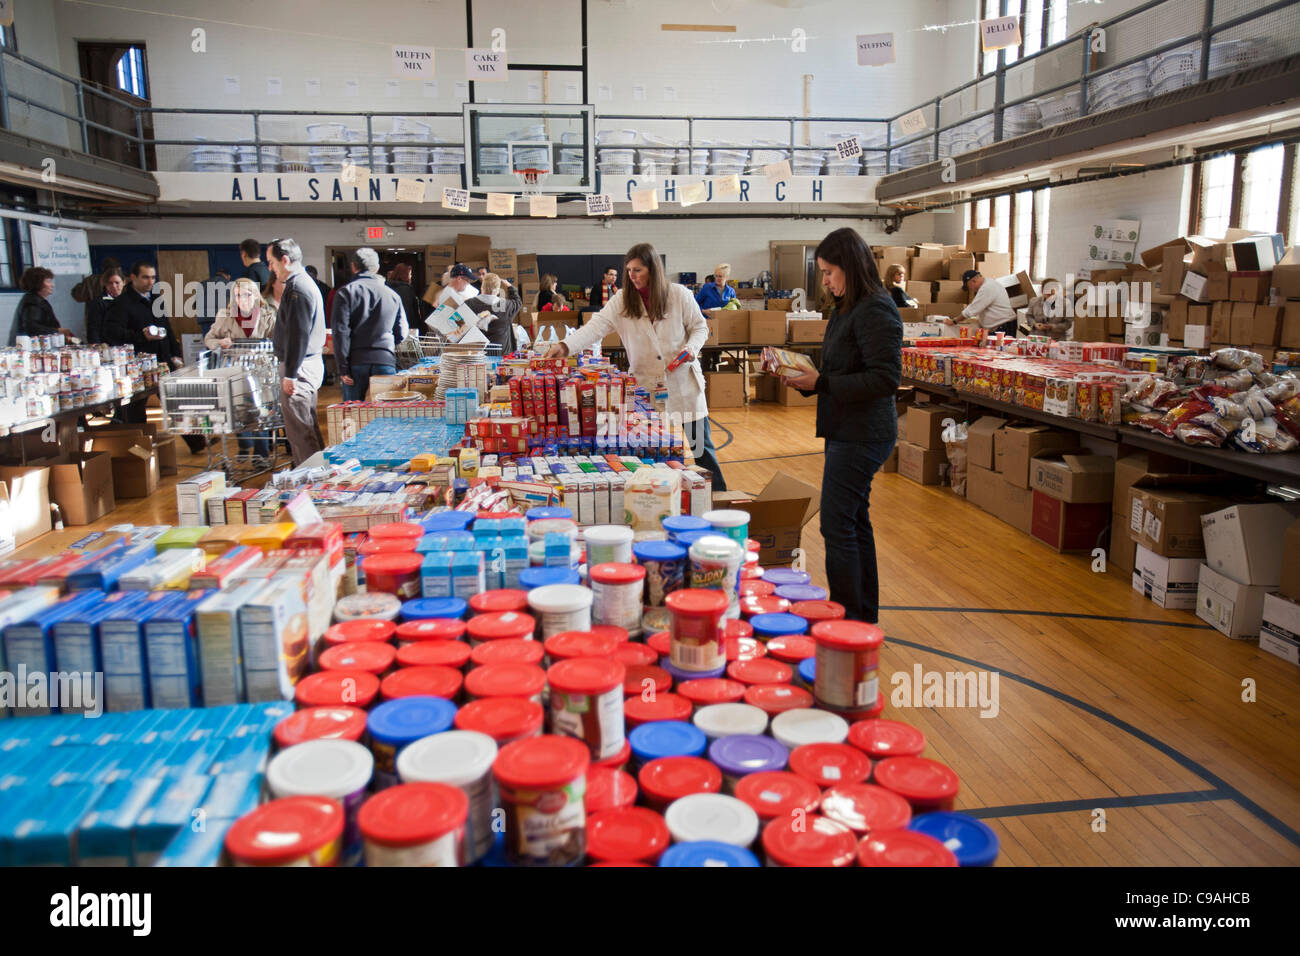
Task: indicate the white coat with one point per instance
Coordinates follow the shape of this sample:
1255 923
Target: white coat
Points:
652 345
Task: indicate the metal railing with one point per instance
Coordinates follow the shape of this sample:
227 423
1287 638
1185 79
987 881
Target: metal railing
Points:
1209 38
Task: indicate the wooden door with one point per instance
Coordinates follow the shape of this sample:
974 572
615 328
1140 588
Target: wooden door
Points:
177 267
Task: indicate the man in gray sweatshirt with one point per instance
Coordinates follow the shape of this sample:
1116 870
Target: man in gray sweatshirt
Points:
298 340
368 321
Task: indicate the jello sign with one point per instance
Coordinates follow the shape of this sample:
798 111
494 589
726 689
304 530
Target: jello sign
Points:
486 65
1000 33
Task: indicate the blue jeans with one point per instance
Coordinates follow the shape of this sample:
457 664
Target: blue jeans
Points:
256 443
846 525
360 375
701 442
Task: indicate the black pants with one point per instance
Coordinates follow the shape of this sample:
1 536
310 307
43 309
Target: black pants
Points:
701 442
1008 327
846 525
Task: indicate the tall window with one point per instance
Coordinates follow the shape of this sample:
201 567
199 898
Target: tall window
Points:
130 73
1042 214
982 211
6 265
1032 26
8 38
1042 23
1002 222
1022 241
1261 188
1294 238
989 59
1056 20
1013 10
1216 195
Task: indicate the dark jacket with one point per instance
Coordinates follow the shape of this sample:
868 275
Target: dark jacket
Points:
861 369
416 309
368 320
901 298
95 312
34 316
299 336
259 272
127 318
501 328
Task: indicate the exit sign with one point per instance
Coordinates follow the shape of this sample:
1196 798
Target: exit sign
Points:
375 232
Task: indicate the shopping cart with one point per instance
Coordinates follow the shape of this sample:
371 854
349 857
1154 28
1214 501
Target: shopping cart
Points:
421 349
228 393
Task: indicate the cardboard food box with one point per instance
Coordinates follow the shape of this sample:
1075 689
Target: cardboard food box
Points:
1260 252
1286 276
926 269
779 305
767 327
1173 268
471 248
777 515
1246 542
1289 337
924 425
724 389
1017 445
1234 610
1249 286
979 440
957 265
1120 554
891 463
993 265
806 331
792 397
164 443
894 255
767 388
1076 478
921 465
922 292
134 461
82 486
1167 522
730 325
950 290
1266 329
27 490
1088 328
977 240
983 486
1168 582
1279 631
1066 525
1290 567
950 310
1243 323
1221 323
1015 506
1217 286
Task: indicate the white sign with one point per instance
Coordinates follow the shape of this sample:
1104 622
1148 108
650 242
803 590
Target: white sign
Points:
453 198
1000 33
638 91
727 186
274 86
1194 336
311 87
543 206
456 325
232 85
695 193
912 122
776 171
431 88
461 91
604 92
571 91
352 175
875 49
645 200
600 204
62 251
670 94
534 92
392 89
352 88
848 148
412 61
410 190
486 66
501 204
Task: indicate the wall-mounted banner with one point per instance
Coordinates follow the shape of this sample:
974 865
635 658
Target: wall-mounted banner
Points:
486 66
62 251
413 61
875 49
1000 33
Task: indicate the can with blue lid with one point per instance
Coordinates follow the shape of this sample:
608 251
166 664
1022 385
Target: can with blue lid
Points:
679 524
703 853
665 569
777 624
422 609
801 592
530 578
666 738
396 723
972 841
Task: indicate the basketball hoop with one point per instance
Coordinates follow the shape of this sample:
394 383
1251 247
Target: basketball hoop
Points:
530 180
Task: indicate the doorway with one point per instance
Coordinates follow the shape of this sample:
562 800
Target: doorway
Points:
388 258
121 70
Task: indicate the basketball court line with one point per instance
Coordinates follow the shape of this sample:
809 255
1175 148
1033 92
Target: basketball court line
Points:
1106 803
1194 625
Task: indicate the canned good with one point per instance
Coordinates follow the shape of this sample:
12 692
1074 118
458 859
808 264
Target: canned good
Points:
698 636
415 824
292 831
586 702
847 655
542 782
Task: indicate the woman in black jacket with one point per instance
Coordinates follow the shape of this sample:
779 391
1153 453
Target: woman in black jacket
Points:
399 280
112 283
34 315
855 388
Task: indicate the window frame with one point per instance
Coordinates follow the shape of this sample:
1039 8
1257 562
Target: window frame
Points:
1286 211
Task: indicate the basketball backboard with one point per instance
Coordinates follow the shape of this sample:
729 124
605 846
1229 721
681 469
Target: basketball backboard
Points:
559 139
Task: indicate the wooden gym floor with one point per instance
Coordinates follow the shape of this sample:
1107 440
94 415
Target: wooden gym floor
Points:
1121 737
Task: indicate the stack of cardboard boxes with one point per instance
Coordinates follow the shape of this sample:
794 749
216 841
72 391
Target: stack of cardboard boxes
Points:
1280 629
921 452
1244 546
934 274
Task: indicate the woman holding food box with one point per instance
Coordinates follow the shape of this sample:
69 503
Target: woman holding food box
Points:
855 389
663 331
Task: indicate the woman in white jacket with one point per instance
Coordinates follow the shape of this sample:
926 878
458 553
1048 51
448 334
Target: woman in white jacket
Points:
657 322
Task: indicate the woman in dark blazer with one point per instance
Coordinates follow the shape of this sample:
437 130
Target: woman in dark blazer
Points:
35 315
855 388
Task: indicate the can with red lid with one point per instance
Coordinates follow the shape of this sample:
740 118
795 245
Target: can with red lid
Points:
808 841
756 587
618 761
504 719
291 831
712 690
830 765
567 645
777 698
847 657
903 848
336 722
586 702
760 670
543 783
698 638
430 629
666 779
431 680
348 632
372 657
498 600
526 681
749 572
499 625
429 653
616 595
629 835
631 653
661 642
925 784
415 824
646 678
609 789
777 793
880 739
814 612
866 807
405 531
334 688
745 648
619 634
368 549
753 605
510 650
396 573
791 648
645 707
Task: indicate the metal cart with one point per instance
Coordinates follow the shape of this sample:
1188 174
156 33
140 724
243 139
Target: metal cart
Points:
228 394
416 348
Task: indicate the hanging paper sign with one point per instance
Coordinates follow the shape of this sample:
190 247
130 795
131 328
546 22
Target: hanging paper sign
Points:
501 204
600 204
311 87
274 86
410 190
412 61
486 66
62 251
543 206
352 175
695 193
457 199
848 148
645 200
912 123
777 171
727 186
875 49
999 33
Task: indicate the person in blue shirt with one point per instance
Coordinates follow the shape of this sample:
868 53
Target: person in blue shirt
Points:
717 293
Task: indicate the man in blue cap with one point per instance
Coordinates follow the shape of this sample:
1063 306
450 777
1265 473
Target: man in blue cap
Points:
991 306
461 283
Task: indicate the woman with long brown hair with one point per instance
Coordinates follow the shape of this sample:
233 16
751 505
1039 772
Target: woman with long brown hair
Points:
658 322
856 414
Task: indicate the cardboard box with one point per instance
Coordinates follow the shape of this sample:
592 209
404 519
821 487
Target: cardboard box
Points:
924 425
1246 542
911 316
1208 252
1290 565
164 443
6 526
767 327
1286 276
793 397
993 265
1068 526
1234 610
1015 506
779 305
926 269
950 290
1146 470
724 389
1169 582
134 461
1266 329
806 331
82 486
767 388
1249 286
1221 323
922 292
1196 337
977 240
957 265
1016 445
950 310
891 463
470 248
982 487
1076 478
1279 631
777 515
1195 287
921 465
1217 286
1119 556
502 260
979 440
1289 337
1168 521
929 250
728 326
28 493
1256 253
1175 323
1089 328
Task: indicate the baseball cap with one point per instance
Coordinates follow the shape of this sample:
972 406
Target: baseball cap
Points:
965 276
461 271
